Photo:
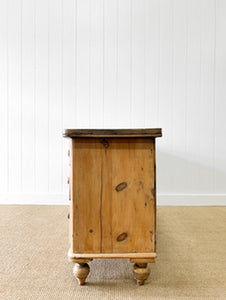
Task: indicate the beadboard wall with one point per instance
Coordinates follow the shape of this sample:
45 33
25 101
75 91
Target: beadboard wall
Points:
113 64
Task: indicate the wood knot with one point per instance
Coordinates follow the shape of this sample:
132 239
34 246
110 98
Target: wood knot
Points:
122 237
105 143
141 184
121 186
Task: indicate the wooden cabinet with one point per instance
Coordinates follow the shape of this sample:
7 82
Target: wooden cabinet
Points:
113 197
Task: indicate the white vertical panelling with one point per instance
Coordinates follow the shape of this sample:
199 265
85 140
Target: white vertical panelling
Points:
83 63
55 95
138 64
206 136
180 40
220 99
112 64
193 94
28 95
165 85
152 8
41 97
124 64
96 63
14 96
4 99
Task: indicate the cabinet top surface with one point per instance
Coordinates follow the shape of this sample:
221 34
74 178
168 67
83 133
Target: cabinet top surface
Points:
144 132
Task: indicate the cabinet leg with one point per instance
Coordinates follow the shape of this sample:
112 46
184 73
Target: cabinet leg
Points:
140 272
81 271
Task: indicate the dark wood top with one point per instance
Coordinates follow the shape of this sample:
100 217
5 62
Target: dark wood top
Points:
146 132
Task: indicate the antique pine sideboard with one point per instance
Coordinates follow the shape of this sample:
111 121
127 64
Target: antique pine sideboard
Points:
112 188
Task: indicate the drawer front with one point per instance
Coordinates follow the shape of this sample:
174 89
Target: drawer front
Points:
113 195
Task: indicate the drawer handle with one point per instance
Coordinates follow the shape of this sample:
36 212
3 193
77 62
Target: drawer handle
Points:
122 237
121 186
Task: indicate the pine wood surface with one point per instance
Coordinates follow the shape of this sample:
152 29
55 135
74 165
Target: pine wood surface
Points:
113 195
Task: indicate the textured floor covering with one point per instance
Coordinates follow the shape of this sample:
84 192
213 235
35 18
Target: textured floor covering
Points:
191 264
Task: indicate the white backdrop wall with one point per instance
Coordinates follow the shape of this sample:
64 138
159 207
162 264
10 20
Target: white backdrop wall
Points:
113 64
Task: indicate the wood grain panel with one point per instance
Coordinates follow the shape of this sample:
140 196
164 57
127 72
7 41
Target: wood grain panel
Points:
87 196
107 207
132 206
113 195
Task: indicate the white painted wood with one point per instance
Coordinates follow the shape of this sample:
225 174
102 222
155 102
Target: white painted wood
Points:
41 97
124 64
110 55
28 96
4 157
83 63
14 95
152 60
55 95
220 100
96 63
138 22
207 98
193 120
179 95
165 89
113 64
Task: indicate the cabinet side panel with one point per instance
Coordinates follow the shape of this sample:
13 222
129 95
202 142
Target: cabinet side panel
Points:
106 205
70 193
155 198
133 195
86 195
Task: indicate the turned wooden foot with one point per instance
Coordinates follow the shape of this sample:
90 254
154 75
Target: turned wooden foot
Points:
140 272
81 271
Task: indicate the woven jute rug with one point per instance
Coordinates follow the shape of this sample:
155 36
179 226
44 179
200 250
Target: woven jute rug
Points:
191 263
